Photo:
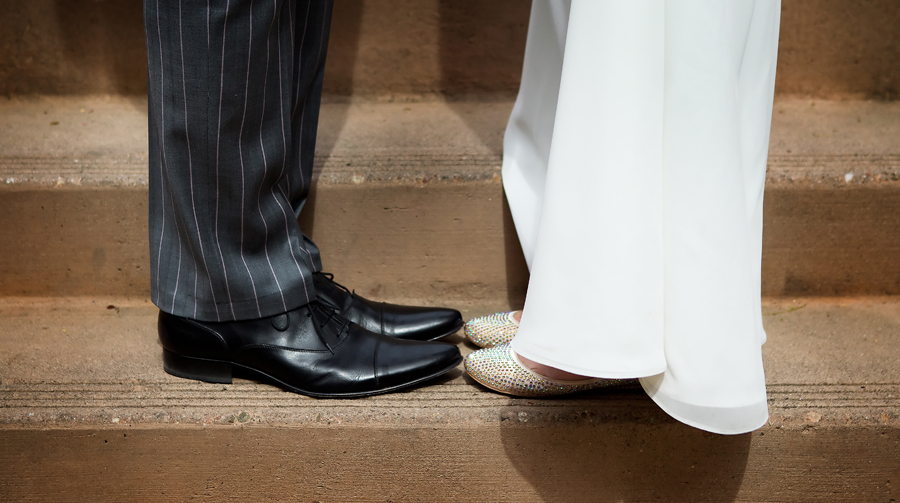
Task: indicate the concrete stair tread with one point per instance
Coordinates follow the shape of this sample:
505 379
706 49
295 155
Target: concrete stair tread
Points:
409 200
85 408
103 140
74 363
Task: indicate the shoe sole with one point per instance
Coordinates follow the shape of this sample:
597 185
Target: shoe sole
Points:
218 371
629 385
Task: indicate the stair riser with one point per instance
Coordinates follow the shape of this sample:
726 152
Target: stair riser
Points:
610 461
433 241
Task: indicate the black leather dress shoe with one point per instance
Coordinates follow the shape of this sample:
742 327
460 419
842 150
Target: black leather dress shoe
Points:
310 350
401 322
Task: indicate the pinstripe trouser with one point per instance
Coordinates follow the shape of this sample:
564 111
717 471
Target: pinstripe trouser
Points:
234 93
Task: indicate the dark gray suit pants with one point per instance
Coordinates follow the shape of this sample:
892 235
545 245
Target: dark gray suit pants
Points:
234 92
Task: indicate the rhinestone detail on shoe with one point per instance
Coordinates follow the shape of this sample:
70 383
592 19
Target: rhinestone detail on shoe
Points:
493 329
498 369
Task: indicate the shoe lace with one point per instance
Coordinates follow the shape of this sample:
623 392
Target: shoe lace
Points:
332 314
330 277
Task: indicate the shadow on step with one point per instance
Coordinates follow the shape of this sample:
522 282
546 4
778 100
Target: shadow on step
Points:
623 457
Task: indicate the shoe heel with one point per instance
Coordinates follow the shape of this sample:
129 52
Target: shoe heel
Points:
195 368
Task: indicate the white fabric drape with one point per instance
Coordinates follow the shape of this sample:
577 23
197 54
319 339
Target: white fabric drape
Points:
634 164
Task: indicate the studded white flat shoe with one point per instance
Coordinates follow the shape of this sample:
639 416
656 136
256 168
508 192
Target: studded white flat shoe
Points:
488 331
499 369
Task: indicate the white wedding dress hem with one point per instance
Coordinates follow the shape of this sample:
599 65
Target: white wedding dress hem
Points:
721 420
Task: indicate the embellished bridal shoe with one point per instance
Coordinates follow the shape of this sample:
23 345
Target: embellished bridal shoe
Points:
488 331
499 369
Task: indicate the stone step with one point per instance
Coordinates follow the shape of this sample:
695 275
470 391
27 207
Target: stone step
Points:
408 200
833 48
86 411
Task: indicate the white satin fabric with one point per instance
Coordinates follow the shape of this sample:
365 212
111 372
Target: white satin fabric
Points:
634 164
